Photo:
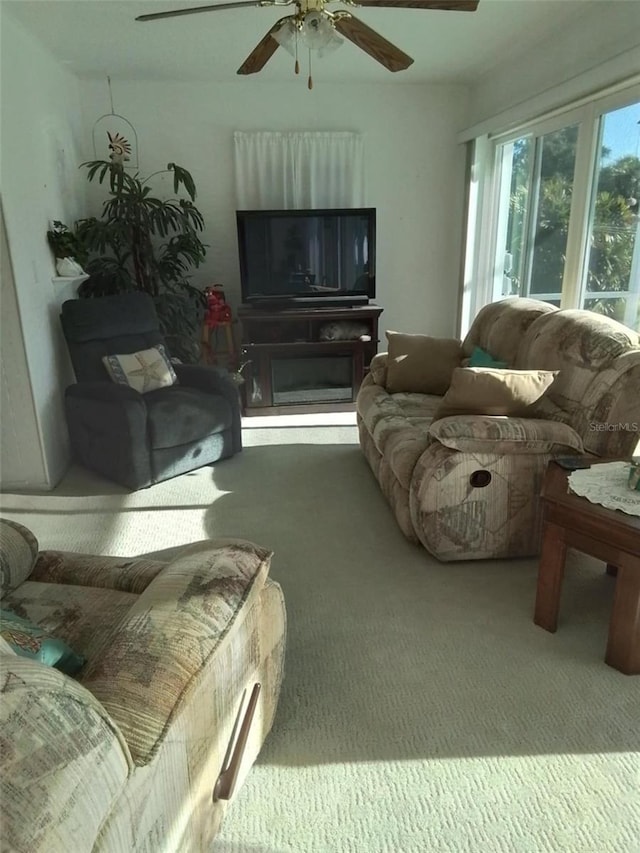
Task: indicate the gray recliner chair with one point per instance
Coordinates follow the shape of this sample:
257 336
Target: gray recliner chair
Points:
132 438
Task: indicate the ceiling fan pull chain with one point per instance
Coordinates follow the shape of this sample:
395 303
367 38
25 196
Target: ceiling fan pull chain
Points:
297 65
310 81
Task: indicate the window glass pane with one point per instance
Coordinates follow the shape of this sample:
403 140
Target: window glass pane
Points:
556 157
615 306
517 160
613 265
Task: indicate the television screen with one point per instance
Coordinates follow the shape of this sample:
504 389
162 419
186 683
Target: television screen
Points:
307 255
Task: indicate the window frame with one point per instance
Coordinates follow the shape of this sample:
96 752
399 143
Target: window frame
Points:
484 220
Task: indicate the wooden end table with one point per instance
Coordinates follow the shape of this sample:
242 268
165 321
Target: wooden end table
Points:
571 521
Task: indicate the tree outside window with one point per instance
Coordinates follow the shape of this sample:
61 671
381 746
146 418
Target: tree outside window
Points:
540 197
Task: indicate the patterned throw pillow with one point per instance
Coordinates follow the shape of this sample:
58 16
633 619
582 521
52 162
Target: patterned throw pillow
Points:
32 641
143 371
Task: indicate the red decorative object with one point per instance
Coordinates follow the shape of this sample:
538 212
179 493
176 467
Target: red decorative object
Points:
217 309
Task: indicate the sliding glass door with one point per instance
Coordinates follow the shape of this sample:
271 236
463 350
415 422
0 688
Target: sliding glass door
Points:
564 222
515 163
535 205
611 283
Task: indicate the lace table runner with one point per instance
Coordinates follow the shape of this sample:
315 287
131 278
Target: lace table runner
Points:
606 484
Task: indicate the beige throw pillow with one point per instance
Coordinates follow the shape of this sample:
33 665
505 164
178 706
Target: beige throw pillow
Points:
421 364
493 391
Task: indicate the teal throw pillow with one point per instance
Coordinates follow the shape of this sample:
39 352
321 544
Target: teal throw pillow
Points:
482 358
31 641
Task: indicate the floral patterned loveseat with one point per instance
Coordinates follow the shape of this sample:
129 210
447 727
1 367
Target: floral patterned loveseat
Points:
131 753
467 486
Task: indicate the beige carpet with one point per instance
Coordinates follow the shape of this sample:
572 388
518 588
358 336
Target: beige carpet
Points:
422 710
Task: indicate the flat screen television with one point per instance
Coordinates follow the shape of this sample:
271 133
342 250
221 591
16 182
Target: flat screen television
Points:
307 256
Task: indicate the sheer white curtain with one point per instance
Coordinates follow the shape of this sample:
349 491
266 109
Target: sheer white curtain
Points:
296 170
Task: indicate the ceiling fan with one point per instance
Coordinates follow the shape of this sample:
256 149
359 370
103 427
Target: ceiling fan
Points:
317 28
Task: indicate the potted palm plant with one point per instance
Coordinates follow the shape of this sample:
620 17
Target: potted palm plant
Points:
143 242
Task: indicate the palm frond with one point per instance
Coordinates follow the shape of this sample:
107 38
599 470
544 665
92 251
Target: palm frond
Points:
147 243
181 176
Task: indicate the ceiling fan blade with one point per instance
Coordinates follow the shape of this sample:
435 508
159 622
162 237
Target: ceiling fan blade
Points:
154 16
444 5
263 51
371 42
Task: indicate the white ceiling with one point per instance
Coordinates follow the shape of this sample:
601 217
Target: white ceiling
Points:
100 37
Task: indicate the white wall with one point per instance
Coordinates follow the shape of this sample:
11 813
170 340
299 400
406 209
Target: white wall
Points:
601 48
19 466
40 142
414 171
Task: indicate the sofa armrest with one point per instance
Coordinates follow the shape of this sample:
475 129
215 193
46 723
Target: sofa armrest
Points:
206 378
64 762
106 409
214 381
490 434
107 426
108 392
126 574
378 368
183 618
18 551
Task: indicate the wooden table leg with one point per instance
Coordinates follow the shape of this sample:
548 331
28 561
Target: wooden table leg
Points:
206 353
550 576
623 646
232 359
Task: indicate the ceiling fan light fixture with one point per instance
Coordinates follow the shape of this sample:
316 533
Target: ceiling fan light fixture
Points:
317 33
332 44
286 37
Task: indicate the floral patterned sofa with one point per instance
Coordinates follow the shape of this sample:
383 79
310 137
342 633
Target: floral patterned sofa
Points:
133 752
467 487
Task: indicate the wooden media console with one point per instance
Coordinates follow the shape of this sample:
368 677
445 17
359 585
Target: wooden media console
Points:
306 358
